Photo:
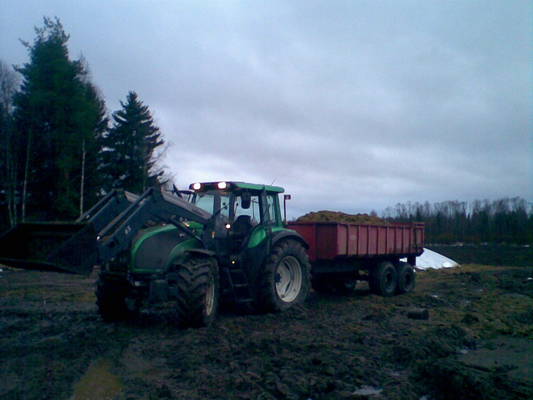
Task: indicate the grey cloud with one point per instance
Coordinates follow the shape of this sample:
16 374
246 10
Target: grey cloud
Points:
349 105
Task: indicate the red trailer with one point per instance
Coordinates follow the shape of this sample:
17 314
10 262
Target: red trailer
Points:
342 253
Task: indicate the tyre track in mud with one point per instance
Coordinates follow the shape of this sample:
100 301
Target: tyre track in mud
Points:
54 345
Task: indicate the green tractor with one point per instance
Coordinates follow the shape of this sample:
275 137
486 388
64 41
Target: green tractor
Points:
225 242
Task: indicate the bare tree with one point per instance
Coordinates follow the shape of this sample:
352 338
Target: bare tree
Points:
9 83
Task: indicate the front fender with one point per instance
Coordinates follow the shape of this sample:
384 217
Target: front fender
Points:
204 252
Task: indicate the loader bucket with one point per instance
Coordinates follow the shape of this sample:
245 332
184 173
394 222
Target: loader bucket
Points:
62 247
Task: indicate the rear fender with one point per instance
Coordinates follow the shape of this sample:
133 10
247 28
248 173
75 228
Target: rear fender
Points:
287 234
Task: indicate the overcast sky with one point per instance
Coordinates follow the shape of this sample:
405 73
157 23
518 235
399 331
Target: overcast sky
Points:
349 105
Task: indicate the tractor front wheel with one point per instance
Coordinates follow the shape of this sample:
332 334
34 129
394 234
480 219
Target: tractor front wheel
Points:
285 278
197 292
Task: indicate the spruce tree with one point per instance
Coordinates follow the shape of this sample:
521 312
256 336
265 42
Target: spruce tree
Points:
58 118
129 155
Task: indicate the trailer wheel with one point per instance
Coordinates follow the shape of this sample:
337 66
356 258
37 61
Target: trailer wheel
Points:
383 279
111 300
285 278
406 278
197 284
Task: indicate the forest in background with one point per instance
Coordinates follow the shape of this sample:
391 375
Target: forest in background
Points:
506 220
60 149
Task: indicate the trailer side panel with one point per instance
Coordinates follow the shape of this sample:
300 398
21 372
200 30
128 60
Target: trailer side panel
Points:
328 240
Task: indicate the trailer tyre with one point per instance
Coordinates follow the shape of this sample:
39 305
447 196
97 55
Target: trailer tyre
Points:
383 279
406 278
111 300
285 278
197 282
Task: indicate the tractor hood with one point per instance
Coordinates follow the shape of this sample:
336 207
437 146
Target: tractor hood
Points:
155 249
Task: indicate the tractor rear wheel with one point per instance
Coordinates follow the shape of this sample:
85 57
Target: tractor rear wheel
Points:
406 278
111 300
197 282
383 279
285 277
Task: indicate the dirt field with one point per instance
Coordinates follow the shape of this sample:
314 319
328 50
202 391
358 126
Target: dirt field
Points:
476 344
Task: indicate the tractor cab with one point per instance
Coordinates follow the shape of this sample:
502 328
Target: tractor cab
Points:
262 264
240 211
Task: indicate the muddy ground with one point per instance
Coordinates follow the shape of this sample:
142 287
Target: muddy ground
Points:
476 344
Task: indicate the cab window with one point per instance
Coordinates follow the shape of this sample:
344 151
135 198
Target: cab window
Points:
205 201
253 212
271 207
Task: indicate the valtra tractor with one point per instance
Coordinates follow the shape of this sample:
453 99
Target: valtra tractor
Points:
220 240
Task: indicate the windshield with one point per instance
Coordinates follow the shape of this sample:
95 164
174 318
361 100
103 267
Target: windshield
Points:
206 201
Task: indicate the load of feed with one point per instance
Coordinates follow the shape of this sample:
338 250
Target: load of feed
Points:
338 216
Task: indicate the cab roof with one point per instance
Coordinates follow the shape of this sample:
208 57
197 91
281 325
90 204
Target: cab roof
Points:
235 185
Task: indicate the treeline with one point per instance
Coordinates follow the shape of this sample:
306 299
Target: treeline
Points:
59 149
506 220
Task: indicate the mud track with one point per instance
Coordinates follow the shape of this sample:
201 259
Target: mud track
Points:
53 345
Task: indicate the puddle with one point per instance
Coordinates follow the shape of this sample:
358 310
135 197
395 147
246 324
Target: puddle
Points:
98 382
367 391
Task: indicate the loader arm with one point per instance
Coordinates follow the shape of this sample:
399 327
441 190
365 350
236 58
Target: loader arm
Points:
97 236
117 235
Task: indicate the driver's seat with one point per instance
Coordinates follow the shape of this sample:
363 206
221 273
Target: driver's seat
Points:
241 226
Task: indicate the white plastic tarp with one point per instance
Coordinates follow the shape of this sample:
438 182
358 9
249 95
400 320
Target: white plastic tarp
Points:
430 259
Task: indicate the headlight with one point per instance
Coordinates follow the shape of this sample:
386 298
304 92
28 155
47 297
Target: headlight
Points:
222 185
197 186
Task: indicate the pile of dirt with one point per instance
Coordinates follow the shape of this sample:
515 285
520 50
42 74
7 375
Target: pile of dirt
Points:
337 216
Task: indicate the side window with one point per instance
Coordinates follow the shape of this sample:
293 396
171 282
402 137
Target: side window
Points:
253 211
224 205
271 207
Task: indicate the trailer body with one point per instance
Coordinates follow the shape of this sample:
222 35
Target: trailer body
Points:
343 253
331 240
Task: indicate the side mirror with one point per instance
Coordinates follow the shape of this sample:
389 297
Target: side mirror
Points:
246 200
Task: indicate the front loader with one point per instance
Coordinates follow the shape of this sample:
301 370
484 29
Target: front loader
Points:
226 242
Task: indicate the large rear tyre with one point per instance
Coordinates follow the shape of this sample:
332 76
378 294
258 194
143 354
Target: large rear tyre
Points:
111 300
383 279
285 278
197 283
406 278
